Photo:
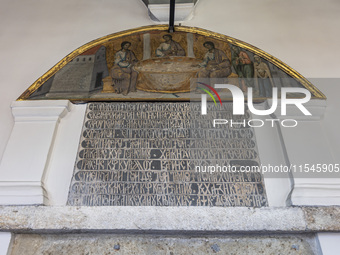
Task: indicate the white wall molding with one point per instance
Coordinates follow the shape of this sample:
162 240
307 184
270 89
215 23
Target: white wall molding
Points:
43 110
28 150
316 107
307 143
58 174
308 193
271 152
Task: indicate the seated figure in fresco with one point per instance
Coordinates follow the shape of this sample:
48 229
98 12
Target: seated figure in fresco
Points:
124 77
215 63
263 77
243 66
169 48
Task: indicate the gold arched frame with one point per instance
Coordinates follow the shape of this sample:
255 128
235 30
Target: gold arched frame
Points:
104 40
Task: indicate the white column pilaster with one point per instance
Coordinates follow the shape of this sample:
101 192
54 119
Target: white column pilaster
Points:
272 153
28 150
307 145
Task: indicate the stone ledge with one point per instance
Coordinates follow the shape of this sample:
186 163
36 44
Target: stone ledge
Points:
322 219
167 220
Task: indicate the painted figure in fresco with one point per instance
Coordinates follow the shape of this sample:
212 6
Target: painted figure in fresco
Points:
124 77
215 63
169 48
243 66
263 77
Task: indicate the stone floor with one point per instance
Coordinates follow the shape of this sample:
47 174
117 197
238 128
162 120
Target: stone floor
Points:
89 244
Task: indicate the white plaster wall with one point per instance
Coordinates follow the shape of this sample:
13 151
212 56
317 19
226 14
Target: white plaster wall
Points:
329 243
5 240
303 33
36 34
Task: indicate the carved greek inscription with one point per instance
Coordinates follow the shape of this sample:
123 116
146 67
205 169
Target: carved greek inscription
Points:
147 154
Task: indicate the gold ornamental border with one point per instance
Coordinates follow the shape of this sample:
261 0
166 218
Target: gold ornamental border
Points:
290 71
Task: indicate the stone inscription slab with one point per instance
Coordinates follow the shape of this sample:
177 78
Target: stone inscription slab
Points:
157 154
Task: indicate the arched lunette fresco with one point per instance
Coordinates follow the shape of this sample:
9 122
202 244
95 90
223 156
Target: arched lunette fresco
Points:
148 63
